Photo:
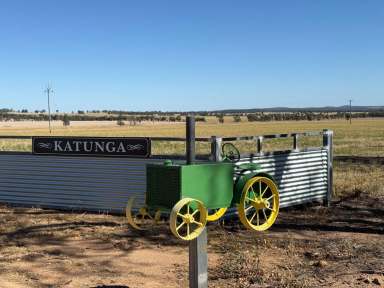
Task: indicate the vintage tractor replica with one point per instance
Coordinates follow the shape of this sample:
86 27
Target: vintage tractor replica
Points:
197 193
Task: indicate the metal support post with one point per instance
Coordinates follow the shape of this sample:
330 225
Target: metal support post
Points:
198 261
328 144
296 142
260 144
198 256
216 149
190 137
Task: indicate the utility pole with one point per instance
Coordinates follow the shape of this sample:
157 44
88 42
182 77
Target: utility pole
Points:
49 91
350 111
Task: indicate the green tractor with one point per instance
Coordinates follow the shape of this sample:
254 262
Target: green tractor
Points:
197 193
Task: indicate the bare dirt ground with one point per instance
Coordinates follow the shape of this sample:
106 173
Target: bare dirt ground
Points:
340 246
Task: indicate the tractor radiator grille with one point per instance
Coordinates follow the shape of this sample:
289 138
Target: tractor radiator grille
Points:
163 186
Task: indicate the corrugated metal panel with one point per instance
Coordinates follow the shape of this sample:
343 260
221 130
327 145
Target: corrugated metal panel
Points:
98 184
301 176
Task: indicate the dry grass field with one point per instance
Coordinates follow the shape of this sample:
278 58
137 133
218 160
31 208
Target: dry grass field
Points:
364 137
312 246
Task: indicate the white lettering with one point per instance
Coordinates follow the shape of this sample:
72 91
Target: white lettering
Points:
109 148
93 146
99 146
121 148
68 147
77 143
86 149
57 146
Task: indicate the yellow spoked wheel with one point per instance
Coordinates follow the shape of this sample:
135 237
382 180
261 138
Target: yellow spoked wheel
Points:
143 219
259 203
215 214
188 218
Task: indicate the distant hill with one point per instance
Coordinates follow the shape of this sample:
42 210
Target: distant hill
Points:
305 109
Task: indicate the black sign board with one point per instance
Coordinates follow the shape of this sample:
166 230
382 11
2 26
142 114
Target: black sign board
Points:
92 146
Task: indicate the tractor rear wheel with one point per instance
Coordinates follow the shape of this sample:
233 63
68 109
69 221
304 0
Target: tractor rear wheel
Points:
259 203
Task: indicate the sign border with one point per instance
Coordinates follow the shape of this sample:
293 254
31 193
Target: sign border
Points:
147 139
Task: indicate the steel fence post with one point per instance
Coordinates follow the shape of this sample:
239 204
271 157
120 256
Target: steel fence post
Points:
328 144
296 142
260 144
216 149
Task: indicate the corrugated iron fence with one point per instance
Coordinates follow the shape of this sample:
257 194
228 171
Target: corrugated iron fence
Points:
105 184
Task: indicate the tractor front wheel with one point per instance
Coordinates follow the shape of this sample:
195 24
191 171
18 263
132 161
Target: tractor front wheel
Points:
188 218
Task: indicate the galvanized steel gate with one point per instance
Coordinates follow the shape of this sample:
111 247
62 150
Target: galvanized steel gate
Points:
105 184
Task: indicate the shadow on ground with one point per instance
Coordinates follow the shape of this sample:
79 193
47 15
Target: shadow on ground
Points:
75 244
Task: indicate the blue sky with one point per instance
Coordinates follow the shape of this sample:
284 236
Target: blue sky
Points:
191 55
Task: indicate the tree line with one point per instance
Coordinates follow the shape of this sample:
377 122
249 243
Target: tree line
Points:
13 116
310 116
134 118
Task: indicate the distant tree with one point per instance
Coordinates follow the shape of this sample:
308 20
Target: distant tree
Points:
80 112
132 120
221 118
347 116
251 117
237 118
24 111
120 120
66 121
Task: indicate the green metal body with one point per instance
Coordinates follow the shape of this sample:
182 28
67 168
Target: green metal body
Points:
211 183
